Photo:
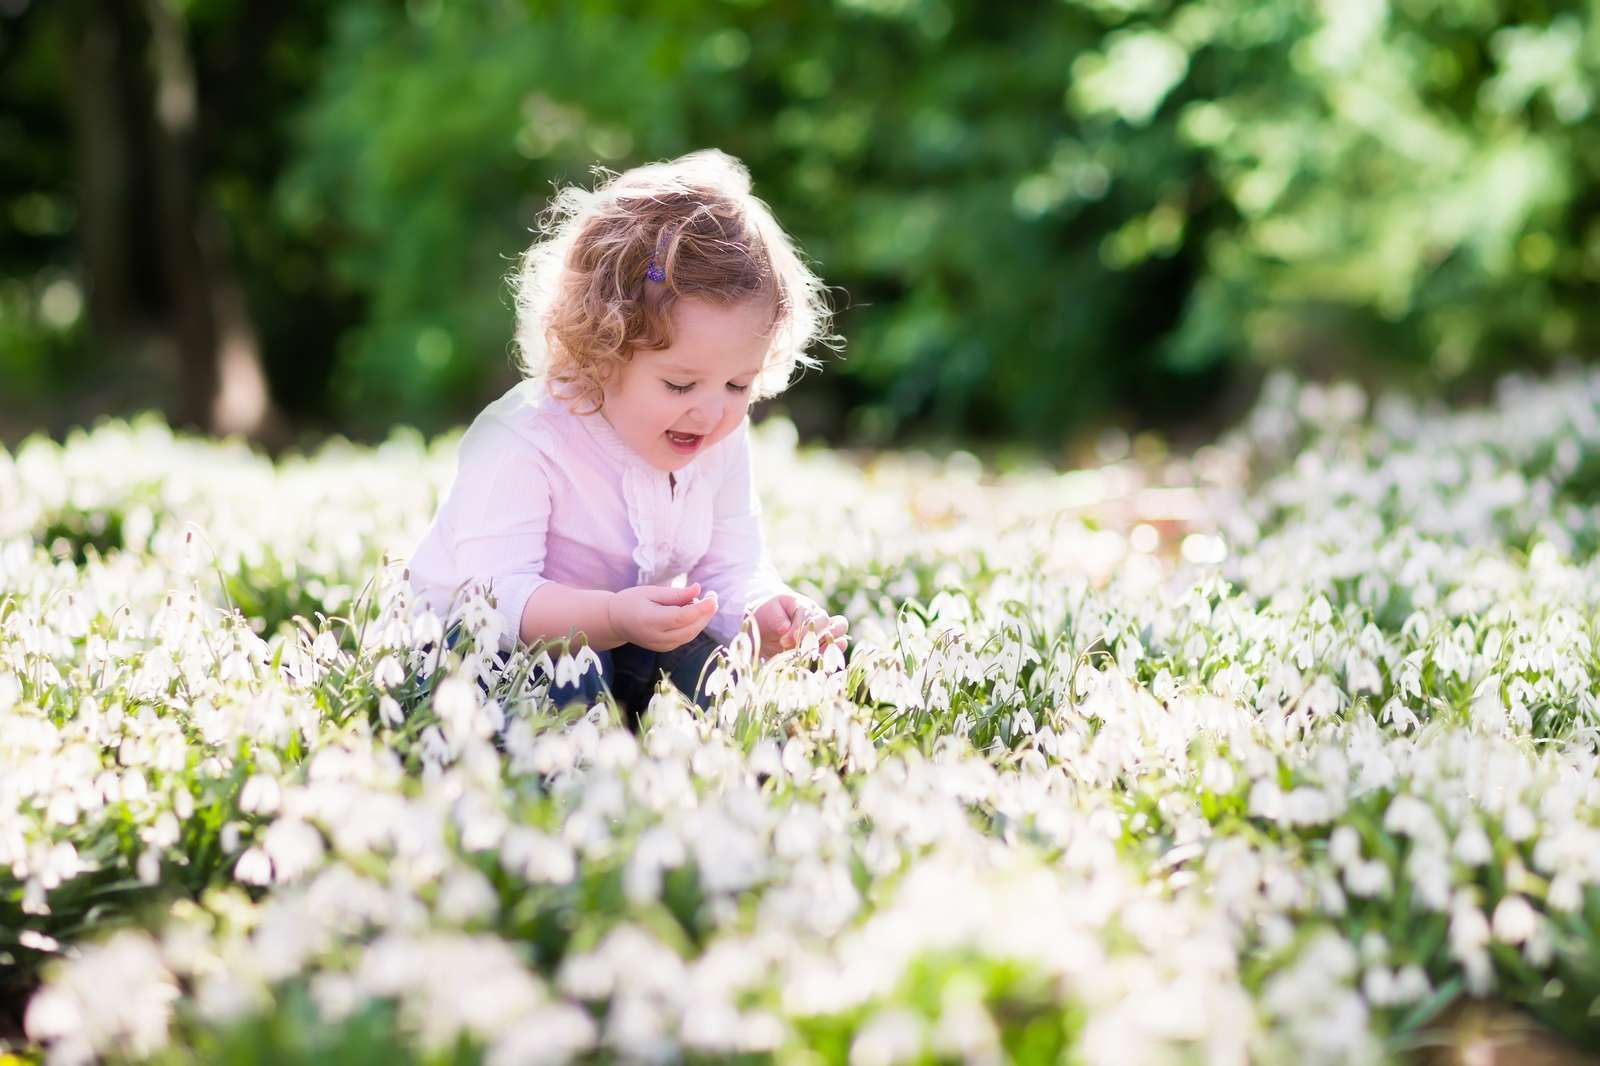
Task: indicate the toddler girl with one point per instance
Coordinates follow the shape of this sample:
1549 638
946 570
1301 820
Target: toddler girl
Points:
651 312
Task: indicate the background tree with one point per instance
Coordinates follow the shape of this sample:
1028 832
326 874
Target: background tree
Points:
1039 216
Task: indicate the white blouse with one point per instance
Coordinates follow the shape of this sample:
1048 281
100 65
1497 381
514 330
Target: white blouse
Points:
545 494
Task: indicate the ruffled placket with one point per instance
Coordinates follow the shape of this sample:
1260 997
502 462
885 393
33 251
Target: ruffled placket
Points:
655 508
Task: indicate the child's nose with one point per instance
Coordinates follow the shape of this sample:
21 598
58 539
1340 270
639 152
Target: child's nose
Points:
708 414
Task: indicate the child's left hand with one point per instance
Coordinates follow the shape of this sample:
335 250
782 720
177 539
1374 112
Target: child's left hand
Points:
785 620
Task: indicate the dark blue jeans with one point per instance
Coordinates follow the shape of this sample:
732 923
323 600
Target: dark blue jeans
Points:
630 673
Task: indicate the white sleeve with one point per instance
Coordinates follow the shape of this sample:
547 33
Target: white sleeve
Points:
501 514
735 563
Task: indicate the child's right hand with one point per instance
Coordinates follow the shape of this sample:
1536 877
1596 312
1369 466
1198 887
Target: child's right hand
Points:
660 617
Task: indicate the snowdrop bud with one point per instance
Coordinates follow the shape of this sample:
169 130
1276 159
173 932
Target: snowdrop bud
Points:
1217 775
1473 846
294 847
325 647
466 896
1566 892
1411 984
253 867
388 672
1514 920
1520 824
893 1035
1321 611
1369 879
1344 846
261 795
1378 985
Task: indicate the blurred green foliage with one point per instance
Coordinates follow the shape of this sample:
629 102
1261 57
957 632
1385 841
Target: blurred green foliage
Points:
1037 213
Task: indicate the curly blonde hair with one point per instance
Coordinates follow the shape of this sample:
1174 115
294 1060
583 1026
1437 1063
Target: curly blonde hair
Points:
584 303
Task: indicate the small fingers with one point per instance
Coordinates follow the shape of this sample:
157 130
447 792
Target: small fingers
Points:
697 612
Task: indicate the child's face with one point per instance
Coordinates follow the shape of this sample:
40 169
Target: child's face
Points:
713 360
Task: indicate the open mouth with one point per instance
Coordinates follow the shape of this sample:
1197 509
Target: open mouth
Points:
684 442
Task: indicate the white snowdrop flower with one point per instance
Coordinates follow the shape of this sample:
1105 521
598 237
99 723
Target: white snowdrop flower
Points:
480 820
1321 611
1566 892
1469 936
225 997
1430 878
1373 948
1488 709
1022 723
765 758
63 809
966 1031
1378 985
1217 775
1344 846
1520 823
1369 879
253 867
1395 712
261 794
1362 675
148 867
163 832
237 667
1514 920
133 789
10 690
294 847
1411 985
388 672
456 699
78 1020
466 896
1473 846
586 975
616 750
325 648
336 995
552 1033
890 1036
711 1026
390 713
1266 800
538 856
658 849
636 1028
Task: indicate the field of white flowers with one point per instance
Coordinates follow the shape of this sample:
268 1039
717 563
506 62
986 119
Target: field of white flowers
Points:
1274 754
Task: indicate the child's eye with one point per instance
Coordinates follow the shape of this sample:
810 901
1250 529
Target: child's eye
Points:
678 388
738 388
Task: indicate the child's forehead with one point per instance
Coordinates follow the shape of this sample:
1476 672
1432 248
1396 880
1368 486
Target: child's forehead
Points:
705 335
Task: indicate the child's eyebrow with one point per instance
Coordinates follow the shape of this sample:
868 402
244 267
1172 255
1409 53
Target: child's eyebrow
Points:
693 373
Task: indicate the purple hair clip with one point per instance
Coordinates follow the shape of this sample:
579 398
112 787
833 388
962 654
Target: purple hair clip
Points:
655 272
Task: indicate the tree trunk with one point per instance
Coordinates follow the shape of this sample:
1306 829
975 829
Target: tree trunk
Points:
222 387
102 155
